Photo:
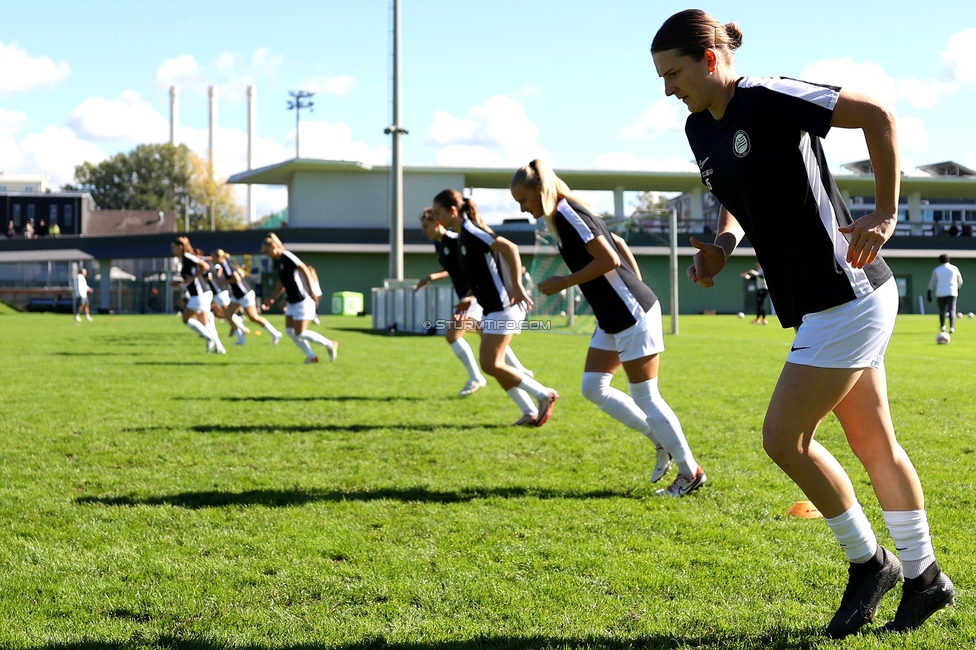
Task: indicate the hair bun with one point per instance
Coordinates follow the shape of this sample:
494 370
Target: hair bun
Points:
735 35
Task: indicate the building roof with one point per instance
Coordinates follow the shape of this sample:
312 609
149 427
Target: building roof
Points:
947 168
945 186
130 222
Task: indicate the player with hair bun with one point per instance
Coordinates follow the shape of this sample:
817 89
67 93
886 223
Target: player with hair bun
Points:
196 314
628 315
293 280
493 270
241 294
757 143
446 247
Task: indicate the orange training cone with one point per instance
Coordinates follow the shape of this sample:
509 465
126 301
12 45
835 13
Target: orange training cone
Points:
804 510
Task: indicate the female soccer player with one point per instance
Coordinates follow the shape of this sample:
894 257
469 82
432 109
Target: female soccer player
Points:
757 142
196 313
628 316
293 278
446 247
242 295
493 270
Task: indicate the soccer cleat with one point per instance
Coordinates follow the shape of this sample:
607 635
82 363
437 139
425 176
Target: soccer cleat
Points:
919 602
662 466
528 373
311 359
242 342
275 339
866 586
473 386
334 351
78 317
545 407
683 485
952 330
90 319
527 420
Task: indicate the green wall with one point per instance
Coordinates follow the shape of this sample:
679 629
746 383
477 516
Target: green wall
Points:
363 271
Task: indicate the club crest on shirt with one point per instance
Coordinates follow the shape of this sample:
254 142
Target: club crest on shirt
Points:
741 144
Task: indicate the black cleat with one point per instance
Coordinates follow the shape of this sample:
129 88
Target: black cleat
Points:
921 597
866 585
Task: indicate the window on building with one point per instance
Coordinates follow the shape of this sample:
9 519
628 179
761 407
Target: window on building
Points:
52 214
69 218
17 215
3 188
31 211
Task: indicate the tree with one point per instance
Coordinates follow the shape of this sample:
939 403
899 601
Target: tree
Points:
160 177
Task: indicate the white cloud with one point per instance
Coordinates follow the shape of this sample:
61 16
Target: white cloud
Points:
339 85
11 121
129 118
843 146
497 133
631 162
871 79
183 71
22 72
56 151
661 117
957 59
333 141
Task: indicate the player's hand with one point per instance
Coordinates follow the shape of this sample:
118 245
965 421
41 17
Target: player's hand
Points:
519 297
461 309
867 235
422 283
709 262
552 286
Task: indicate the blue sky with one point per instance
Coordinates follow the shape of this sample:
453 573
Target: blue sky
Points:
484 83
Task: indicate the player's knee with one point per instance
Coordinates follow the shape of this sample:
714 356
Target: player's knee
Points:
778 444
595 386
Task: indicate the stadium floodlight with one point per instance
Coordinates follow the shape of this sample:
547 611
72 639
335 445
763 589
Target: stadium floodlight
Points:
300 100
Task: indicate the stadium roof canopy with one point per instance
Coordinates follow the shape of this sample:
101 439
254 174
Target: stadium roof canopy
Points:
961 184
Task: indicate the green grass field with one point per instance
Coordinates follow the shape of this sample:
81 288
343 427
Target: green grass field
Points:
154 496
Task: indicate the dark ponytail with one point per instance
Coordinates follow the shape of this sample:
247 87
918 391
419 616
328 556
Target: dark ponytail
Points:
465 207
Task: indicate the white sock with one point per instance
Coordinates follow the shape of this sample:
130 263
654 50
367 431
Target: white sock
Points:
464 353
199 328
212 328
853 530
300 342
664 425
315 337
615 403
271 329
534 388
522 399
238 322
513 360
910 530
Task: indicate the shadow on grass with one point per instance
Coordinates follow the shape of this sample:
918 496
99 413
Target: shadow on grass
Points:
314 398
383 332
315 428
289 498
777 638
98 354
199 363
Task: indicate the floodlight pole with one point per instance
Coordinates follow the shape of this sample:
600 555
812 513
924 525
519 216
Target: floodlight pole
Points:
297 103
396 169
674 271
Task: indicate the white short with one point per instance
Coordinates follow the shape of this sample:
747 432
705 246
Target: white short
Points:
642 339
507 321
82 300
201 303
475 312
222 298
304 310
247 300
852 335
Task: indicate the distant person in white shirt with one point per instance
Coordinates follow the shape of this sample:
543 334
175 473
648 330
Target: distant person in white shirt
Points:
946 280
81 291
